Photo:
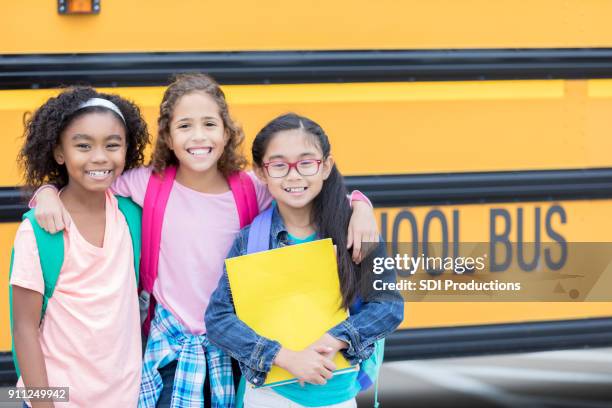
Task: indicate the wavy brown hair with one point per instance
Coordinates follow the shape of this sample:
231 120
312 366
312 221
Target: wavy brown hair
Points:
44 128
232 158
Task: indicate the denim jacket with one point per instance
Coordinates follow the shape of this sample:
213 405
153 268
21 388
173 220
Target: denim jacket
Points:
256 354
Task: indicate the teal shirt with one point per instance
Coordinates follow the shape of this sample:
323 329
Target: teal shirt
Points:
338 389
295 240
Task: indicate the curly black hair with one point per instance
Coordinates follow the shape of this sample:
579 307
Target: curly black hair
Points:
44 127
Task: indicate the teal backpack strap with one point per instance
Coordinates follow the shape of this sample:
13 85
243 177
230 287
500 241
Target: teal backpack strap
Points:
133 216
51 254
51 257
240 393
375 363
376 403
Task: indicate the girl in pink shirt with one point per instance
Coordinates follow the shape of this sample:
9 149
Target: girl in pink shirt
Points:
198 136
88 339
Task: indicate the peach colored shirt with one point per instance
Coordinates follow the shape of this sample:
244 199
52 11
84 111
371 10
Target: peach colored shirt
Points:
90 335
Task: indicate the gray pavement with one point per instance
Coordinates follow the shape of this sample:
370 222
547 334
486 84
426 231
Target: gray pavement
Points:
564 379
570 378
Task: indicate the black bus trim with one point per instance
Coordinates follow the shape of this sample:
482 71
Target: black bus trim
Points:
462 341
27 71
410 190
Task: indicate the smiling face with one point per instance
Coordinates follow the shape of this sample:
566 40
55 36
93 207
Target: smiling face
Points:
197 133
93 148
294 190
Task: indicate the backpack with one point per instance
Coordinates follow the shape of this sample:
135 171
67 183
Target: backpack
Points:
259 240
154 207
51 254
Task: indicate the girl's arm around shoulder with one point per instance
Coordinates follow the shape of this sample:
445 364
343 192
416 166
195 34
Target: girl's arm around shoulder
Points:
49 210
362 225
51 214
133 183
228 332
380 313
264 198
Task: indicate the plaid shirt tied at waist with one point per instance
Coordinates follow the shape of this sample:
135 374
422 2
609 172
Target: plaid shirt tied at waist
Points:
170 341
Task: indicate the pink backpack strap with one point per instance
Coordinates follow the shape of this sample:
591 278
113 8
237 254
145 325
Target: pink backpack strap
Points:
245 196
154 207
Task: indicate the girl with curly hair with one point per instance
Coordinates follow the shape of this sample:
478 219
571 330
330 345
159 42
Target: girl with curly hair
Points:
89 339
198 147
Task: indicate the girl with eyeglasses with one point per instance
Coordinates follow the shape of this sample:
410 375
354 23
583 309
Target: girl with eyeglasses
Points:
292 157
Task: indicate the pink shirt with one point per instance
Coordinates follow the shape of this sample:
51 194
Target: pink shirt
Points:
197 233
90 335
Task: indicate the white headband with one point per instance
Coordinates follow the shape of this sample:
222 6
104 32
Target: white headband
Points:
104 103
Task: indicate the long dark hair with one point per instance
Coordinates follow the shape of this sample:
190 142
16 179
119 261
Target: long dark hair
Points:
331 210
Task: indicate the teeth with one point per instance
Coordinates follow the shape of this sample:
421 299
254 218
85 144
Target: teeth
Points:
199 151
295 189
98 173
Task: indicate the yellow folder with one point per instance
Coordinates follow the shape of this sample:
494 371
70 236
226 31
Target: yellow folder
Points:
291 295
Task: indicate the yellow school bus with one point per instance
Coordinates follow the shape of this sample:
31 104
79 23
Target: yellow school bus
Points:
443 112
